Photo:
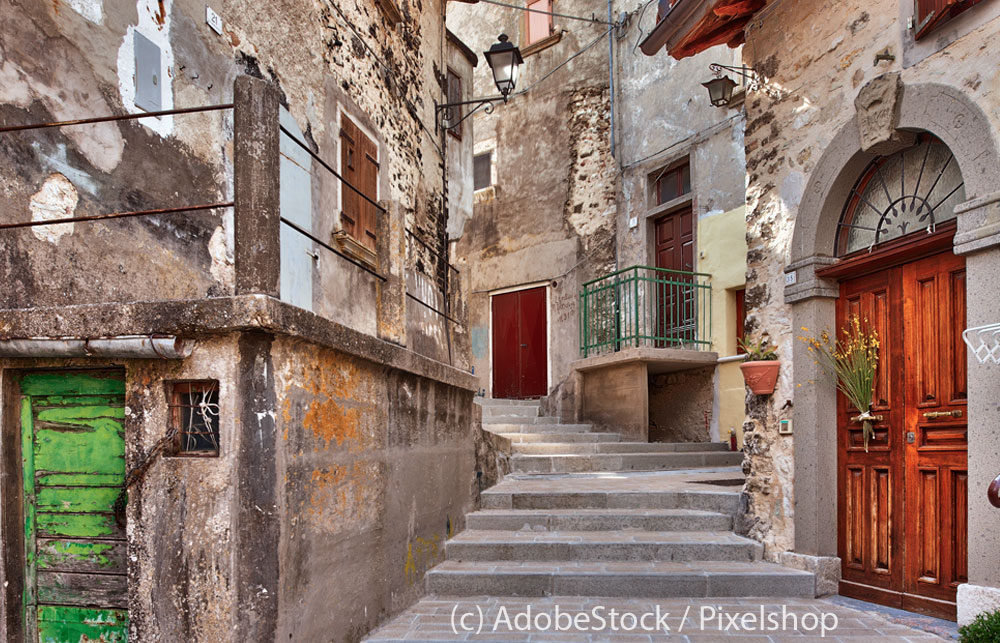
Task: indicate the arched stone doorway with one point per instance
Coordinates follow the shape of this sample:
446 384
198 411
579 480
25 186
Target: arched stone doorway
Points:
947 114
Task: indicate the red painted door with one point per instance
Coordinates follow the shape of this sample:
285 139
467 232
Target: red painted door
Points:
902 504
520 361
675 305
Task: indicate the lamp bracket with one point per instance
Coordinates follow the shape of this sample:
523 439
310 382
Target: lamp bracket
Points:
750 76
445 112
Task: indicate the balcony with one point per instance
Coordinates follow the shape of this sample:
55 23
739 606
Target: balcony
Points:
636 323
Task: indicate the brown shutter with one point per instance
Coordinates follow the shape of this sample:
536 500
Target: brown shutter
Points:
930 14
455 96
350 211
359 167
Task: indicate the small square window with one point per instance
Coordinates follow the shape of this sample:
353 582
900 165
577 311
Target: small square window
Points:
482 171
672 183
194 418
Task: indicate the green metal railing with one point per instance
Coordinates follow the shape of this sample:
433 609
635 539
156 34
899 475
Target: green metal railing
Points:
645 306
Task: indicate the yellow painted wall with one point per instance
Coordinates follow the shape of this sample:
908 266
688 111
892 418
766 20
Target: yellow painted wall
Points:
722 253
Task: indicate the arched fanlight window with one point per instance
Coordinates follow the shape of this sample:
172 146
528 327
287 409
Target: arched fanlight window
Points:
904 193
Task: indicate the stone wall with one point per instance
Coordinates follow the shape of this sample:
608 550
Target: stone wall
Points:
549 219
816 58
76 60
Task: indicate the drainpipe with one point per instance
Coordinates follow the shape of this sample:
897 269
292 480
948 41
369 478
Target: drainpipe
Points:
611 75
125 346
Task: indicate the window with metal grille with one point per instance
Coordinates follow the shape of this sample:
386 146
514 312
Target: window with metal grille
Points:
482 171
928 15
672 183
194 418
455 96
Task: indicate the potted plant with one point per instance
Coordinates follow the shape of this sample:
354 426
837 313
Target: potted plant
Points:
853 360
760 371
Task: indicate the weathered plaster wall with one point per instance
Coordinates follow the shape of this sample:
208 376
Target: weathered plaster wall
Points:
816 57
551 220
74 60
181 520
722 251
378 471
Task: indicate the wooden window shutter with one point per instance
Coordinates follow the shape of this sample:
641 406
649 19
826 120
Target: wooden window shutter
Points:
350 211
539 24
359 167
928 15
454 89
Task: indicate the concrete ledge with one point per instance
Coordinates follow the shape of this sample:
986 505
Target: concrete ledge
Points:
220 315
976 599
657 360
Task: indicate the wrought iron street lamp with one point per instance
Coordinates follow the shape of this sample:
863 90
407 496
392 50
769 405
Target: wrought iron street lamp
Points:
504 59
720 89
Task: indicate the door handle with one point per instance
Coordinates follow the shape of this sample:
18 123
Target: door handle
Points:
524 345
930 415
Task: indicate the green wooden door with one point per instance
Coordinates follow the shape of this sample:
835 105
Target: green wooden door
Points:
73 454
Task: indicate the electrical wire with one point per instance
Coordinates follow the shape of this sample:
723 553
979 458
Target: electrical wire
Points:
593 19
638 24
564 63
699 135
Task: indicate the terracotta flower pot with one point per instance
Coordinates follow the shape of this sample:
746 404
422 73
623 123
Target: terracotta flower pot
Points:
761 377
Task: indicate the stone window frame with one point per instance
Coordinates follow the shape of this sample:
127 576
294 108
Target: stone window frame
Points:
914 51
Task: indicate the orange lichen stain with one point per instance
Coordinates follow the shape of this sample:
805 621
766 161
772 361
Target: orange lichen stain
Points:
343 497
330 422
161 16
421 553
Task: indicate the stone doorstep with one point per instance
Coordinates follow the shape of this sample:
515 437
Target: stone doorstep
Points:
620 579
497 401
621 545
522 438
556 448
599 519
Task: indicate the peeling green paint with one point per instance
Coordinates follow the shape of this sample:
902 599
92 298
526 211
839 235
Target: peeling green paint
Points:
60 554
73 458
59 624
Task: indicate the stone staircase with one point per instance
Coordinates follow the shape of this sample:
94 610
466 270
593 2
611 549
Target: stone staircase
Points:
584 514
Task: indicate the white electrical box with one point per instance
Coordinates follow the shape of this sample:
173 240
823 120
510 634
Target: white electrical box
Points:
785 427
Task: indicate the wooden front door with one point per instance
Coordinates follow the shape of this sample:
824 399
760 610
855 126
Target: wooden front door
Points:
902 504
73 463
520 344
675 298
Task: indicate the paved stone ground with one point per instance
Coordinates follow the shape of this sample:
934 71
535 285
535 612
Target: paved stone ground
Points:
458 619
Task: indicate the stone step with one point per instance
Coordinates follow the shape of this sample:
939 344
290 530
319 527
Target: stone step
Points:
536 427
510 411
555 448
507 497
620 545
497 401
521 419
634 579
598 520
562 438
623 462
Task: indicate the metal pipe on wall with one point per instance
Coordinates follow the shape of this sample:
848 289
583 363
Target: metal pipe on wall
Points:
125 346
